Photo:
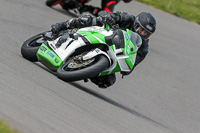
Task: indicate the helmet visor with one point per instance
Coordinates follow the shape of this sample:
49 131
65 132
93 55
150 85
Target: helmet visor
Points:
145 34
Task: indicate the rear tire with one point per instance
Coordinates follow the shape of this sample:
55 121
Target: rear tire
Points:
30 47
67 73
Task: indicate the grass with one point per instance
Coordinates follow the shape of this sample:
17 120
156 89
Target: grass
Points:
187 9
4 128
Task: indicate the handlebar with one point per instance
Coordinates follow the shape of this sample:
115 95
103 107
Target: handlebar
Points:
103 22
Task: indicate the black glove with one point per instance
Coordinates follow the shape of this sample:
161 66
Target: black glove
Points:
56 28
104 81
108 19
62 39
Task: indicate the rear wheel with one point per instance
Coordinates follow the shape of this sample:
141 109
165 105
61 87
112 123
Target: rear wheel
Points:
75 69
30 47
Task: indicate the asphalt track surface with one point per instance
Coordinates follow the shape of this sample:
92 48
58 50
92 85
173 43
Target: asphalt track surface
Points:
161 96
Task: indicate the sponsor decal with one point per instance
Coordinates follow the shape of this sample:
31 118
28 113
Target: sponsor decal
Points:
43 48
49 53
127 37
56 60
129 46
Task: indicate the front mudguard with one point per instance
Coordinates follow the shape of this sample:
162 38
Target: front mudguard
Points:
94 53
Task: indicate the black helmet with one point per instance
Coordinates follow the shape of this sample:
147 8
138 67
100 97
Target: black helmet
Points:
147 22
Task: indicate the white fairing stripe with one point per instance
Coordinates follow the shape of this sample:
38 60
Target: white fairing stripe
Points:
65 53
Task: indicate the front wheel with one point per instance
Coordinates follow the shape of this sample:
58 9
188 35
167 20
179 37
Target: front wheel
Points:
30 47
74 69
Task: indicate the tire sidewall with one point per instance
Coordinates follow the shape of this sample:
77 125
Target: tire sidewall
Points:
101 63
29 52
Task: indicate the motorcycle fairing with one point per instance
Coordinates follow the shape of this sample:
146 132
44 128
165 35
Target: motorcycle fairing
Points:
48 58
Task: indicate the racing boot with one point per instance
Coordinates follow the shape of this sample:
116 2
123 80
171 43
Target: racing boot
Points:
51 3
91 9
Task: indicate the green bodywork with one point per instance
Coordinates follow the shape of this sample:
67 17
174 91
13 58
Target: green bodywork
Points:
130 49
95 36
48 58
93 33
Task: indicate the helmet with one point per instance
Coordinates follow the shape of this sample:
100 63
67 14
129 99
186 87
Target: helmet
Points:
145 21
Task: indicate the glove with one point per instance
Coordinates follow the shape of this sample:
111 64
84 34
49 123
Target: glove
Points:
55 28
62 39
104 81
108 19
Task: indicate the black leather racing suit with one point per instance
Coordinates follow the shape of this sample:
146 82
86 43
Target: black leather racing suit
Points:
124 20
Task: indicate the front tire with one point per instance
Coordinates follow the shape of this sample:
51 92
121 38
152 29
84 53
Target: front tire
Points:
72 72
30 47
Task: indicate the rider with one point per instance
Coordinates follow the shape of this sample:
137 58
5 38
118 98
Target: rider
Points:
106 5
144 24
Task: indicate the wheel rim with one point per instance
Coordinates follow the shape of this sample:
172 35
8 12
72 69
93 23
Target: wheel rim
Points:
78 63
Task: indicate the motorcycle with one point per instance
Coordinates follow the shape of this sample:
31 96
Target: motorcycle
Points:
87 52
76 7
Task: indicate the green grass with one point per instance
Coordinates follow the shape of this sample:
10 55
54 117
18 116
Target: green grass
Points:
187 9
4 128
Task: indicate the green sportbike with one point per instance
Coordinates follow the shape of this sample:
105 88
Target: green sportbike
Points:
87 52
